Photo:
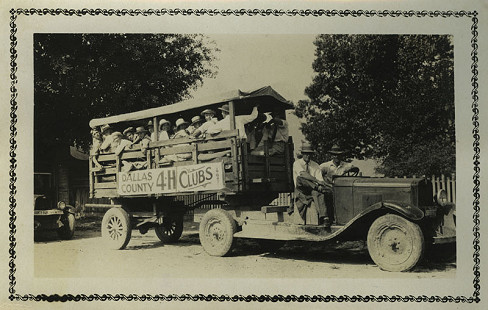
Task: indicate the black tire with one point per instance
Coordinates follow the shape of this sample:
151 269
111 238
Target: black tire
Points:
116 228
395 243
216 232
67 231
171 229
270 245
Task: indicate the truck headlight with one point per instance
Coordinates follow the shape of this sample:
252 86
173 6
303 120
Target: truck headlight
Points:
441 197
61 205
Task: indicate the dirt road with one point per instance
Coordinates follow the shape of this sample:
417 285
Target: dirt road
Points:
248 260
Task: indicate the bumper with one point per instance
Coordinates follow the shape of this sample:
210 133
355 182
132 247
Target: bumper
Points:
48 221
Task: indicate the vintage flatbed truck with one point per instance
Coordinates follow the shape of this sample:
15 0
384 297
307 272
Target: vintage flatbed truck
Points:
230 191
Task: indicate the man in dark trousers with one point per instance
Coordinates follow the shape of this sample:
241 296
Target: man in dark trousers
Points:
309 185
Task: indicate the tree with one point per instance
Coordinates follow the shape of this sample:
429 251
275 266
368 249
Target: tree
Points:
78 77
389 97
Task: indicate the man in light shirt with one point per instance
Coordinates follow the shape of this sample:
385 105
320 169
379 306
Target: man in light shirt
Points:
309 185
241 120
337 166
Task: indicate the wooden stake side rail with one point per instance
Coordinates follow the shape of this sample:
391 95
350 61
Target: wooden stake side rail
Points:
225 147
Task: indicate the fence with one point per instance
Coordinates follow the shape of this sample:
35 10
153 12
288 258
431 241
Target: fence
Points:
446 183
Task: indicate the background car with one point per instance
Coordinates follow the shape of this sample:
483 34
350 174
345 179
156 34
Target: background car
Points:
49 215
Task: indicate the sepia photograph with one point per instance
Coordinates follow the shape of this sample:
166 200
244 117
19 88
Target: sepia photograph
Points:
297 156
128 156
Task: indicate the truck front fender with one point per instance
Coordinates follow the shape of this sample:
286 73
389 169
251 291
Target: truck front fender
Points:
411 212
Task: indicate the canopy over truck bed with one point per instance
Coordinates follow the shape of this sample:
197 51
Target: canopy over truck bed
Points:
266 97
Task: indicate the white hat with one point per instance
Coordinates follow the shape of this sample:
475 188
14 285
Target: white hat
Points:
180 122
163 121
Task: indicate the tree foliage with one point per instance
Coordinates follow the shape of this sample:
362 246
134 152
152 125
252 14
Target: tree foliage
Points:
389 97
83 76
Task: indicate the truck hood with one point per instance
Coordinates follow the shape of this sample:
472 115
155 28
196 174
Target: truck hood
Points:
377 182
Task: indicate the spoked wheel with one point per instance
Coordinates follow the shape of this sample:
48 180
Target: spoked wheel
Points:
171 229
67 231
395 243
116 228
217 232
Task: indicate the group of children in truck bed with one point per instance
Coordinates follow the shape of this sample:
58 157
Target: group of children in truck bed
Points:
256 128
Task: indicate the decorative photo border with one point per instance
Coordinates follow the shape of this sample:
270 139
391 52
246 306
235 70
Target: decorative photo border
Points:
16 13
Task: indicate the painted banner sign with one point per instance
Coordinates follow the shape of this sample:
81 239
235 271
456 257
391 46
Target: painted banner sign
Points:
200 177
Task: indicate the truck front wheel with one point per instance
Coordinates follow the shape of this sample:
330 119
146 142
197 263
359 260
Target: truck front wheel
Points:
116 228
217 230
395 243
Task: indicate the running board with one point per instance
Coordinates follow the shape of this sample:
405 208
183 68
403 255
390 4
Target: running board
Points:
287 231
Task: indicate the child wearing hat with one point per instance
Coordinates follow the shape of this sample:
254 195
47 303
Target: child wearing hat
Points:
196 122
210 120
181 126
95 148
164 130
129 133
106 131
118 143
150 129
142 138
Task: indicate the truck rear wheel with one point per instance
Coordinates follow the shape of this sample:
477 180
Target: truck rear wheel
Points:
171 229
216 232
116 228
395 243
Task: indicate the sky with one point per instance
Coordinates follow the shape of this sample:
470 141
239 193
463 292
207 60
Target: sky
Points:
284 62
249 62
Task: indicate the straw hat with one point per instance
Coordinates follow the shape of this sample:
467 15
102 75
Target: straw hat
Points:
224 108
307 148
196 119
163 121
207 111
336 150
105 128
117 134
141 129
180 122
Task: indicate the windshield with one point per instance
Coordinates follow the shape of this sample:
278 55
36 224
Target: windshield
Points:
42 183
